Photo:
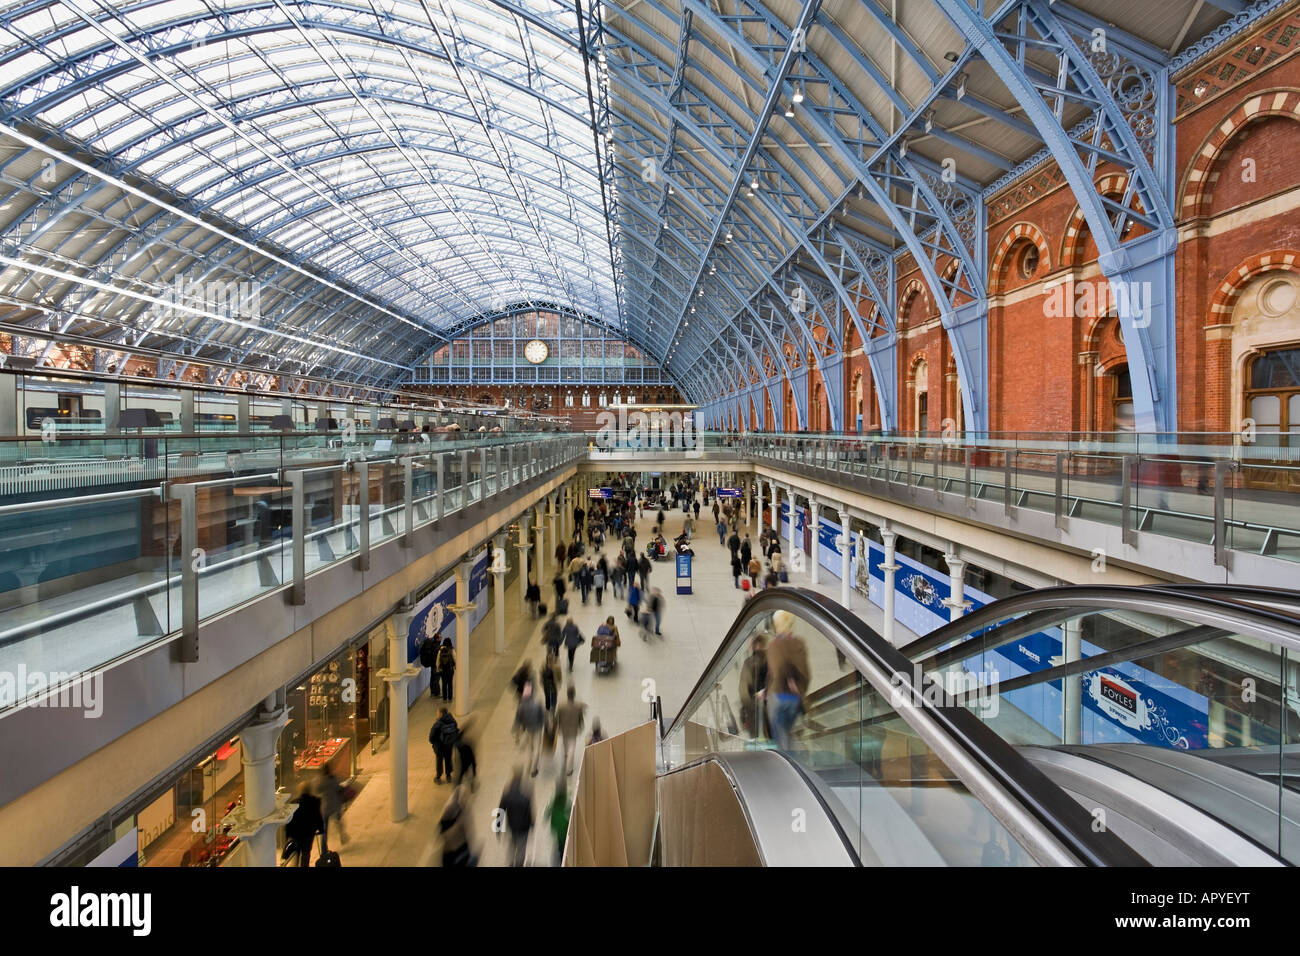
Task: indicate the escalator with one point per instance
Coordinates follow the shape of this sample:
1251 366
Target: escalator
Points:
1096 726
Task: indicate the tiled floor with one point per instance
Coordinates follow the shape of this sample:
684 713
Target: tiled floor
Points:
693 626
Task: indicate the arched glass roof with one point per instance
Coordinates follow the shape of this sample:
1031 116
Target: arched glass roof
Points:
734 185
431 156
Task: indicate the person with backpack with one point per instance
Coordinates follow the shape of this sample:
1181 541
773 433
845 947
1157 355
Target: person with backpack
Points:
442 737
446 664
598 578
429 658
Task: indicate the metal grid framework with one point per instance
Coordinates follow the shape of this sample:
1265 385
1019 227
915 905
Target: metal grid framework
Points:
731 186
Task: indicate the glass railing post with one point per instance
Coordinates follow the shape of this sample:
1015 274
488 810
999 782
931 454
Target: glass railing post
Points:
298 591
910 488
437 485
482 473
1058 497
966 468
464 477
1129 464
938 454
191 562
1221 469
408 502
1008 466
363 503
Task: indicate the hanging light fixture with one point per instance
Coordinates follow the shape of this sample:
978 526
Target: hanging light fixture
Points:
798 93
789 112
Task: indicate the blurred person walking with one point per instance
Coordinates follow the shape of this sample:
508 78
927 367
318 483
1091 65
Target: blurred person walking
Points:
569 717
557 814
517 803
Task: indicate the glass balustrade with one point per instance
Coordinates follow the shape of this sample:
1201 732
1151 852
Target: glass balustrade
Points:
107 539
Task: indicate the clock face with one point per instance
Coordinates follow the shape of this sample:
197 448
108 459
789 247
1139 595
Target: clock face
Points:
536 351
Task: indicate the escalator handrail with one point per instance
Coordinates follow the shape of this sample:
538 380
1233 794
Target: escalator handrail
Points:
1275 627
1023 792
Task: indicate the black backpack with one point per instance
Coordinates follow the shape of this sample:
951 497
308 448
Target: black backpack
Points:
428 652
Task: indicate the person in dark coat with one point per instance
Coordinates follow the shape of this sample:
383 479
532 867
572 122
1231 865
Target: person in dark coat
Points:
443 736
533 596
446 667
733 544
695 506
737 569
553 633
746 550
572 638
558 584
305 823
518 806
753 680
643 571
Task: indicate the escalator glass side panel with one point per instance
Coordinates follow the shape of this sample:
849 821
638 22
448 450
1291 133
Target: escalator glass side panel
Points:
787 686
1151 682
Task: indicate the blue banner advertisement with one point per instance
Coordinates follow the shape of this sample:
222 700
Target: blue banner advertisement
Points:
433 619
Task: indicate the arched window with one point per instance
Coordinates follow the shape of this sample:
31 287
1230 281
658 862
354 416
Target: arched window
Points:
614 401
1273 394
601 400
921 395
1122 399
586 399
857 399
568 399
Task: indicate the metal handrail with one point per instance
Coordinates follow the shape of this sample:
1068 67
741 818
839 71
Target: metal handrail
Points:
25 506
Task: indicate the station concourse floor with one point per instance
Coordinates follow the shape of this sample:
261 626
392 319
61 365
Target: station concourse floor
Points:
693 626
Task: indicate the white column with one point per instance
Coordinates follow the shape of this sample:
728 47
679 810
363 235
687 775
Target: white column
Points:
540 532
523 545
397 675
462 609
746 500
789 495
552 519
889 567
498 572
1071 687
957 585
264 811
845 543
774 517
814 523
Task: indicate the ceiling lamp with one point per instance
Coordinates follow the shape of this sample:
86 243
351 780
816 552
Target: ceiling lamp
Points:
798 93
789 112
753 183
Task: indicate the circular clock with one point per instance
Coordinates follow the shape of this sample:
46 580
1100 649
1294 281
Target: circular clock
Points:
536 351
